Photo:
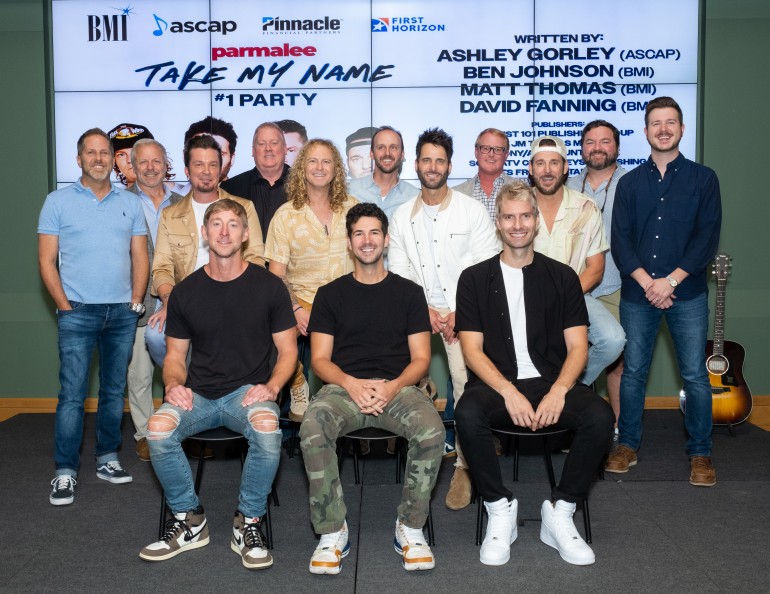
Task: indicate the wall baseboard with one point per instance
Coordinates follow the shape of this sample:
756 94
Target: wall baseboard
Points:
760 415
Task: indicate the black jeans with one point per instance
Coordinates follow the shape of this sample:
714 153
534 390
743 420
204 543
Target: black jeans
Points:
587 414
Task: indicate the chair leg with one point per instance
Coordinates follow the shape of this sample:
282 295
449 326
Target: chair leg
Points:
479 517
549 462
269 521
199 470
162 523
429 526
515 458
587 521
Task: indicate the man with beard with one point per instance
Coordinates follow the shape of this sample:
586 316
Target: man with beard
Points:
571 231
434 237
491 152
600 142
92 254
263 185
370 334
224 133
383 186
522 323
181 249
665 231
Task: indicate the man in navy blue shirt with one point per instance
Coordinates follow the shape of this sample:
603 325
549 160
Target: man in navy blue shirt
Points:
665 231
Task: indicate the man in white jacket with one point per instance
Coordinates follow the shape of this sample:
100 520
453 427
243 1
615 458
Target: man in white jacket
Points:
433 238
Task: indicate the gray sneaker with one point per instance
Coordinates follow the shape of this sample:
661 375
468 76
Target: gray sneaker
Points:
113 472
249 542
63 492
184 531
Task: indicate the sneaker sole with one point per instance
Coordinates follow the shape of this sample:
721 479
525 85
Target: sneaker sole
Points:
115 481
546 538
252 564
61 500
496 562
702 484
195 545
415 564
327 567
620 470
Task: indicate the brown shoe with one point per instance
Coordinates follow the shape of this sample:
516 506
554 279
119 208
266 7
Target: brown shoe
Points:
459 494
621 459
143 450
702 473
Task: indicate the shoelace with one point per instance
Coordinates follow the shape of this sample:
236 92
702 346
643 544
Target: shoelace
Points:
499 527
172 528
63 481
252 536
329 540
299 394
113 466
413 536
563 524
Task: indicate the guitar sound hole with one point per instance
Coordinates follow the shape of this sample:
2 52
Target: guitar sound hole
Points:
717 364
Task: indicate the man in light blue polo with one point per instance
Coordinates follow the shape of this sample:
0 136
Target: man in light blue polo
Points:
96 234
383 186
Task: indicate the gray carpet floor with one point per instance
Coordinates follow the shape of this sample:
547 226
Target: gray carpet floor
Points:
652 531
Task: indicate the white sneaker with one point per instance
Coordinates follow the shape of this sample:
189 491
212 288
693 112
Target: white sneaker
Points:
300 396
558 531
249 542
501 532
411 545
184 531
327 557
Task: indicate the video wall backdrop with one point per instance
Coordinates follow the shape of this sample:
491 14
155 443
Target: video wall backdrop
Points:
528 67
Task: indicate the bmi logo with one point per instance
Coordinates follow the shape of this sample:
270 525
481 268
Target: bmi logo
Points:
380 25
107 27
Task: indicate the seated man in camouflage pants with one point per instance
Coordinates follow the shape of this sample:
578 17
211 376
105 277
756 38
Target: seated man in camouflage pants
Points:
370 344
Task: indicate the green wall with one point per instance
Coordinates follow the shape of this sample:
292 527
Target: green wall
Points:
735 132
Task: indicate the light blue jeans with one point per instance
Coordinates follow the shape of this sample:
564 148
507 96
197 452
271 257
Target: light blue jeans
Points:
688 324
173 469
606 337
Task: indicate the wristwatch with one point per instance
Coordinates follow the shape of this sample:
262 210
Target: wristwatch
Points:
138 308
672 281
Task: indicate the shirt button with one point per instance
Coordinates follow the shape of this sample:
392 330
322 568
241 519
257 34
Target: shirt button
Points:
659 218
654 256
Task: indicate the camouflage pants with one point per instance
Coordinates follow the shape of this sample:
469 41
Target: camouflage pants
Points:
332 413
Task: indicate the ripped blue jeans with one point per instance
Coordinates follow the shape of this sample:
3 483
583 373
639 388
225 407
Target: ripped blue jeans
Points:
258 423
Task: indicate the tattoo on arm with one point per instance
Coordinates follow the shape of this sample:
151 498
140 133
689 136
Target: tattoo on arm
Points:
293 297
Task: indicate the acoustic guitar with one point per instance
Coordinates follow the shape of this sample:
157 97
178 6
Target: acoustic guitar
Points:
730 395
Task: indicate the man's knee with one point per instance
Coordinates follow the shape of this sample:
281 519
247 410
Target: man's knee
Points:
263 421
162 424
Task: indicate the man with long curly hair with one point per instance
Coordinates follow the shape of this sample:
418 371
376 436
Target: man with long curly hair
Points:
307 242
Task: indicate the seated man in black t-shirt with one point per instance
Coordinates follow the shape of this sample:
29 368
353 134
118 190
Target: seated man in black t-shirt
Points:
234 315
370 344
523 328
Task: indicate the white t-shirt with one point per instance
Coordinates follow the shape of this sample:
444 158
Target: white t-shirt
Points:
513 278
203 246
437 296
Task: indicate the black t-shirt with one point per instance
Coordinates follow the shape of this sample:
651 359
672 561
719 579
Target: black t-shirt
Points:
230 326
553 302
371 324
250 185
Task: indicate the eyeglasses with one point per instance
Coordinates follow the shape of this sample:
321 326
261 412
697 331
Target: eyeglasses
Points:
498 150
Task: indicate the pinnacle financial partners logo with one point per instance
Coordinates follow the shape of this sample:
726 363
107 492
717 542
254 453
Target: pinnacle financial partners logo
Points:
109 27
286 26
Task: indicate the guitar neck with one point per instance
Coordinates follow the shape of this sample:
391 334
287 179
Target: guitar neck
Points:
719 317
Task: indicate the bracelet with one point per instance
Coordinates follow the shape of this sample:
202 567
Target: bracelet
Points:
297 308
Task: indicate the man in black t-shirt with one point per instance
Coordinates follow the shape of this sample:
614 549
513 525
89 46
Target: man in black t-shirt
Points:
370 344
234 316
523 329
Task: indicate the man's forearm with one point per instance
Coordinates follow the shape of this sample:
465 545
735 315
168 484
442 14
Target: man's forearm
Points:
573 367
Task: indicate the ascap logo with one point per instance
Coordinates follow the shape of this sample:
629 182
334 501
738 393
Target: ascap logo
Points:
162 25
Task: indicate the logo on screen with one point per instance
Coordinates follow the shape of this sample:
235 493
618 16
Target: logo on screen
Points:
404 24
162 26
277 25
108 27
380 25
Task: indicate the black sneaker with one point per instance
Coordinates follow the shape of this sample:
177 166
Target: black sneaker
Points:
63 490
184 531
249 542
113 472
